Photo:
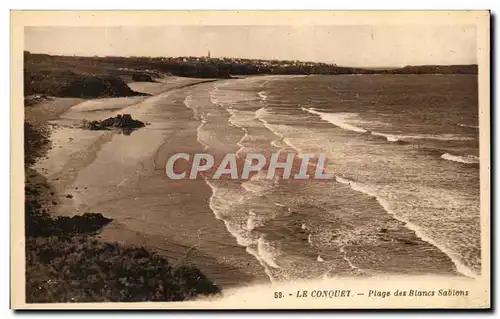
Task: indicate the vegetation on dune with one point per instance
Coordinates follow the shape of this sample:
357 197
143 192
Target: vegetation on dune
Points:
142 77
35 143
93 87
81 269
75 85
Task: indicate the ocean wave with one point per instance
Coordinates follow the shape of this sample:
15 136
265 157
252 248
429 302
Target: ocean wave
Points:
404 138
388 137
469 159
467 125
366 189
258 184
439 137
340 120
262 95
260 114
213 96
240 142
309 239
254 252
337 119
351 265
201 136
227 201
223 204
253 221
266 252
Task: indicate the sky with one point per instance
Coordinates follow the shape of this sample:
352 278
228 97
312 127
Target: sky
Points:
348 45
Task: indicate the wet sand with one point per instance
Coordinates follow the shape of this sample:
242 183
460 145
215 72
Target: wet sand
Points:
123 178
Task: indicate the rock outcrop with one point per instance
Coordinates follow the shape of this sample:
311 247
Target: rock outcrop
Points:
95 87
124 122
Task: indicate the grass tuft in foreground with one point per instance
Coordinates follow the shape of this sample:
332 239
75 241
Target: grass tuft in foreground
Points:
81 269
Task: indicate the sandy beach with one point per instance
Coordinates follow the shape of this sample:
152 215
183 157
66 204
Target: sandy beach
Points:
254 231
169 164
123 178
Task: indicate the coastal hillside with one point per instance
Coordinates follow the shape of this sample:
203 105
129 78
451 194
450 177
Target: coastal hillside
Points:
74 76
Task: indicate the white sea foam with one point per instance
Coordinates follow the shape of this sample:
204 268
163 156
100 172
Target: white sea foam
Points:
466 125
258 183
257 248
253 221
262 95
360 187
213 96
260 249
260 115
438 137
337 119
309 239
240 142
253 251
341 120
224 200
201 136
470 159
344 256
388 137
266 253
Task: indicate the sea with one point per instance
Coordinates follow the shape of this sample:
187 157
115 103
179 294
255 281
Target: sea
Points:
403 153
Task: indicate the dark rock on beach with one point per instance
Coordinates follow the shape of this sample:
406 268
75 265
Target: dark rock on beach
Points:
42 225
124 122
142 77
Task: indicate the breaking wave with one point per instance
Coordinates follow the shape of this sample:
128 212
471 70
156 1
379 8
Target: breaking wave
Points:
341 120
467 125
469 159
360 187
337 119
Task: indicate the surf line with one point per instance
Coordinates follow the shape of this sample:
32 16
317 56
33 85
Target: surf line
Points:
360 187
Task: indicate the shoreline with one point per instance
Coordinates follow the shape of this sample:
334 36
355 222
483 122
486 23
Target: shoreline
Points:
65 166
122 177
65 260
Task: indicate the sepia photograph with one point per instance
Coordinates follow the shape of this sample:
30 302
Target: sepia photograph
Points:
250 160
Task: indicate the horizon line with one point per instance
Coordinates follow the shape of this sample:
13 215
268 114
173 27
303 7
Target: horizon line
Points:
244 58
